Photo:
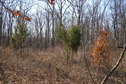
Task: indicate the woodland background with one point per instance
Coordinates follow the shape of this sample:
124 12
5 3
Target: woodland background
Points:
30 52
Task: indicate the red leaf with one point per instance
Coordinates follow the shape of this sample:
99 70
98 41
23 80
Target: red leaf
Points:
51 1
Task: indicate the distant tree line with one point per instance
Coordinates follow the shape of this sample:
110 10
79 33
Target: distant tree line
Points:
89 16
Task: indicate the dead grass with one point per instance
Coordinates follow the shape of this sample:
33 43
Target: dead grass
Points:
32 66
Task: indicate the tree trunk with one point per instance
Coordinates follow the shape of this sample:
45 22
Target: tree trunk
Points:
0 25
53 38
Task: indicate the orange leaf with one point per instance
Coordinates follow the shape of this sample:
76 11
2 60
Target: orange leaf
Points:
18 13
27 18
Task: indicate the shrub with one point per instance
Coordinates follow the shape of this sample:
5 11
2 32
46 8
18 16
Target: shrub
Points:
74 37
61 33
70 39
100 51
19 37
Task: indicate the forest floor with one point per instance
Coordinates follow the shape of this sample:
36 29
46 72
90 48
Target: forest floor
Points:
49 67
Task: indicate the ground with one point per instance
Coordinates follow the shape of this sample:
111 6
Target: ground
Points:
32 66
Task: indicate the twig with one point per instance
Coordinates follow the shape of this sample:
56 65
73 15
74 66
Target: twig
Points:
3 5
88 69
116 65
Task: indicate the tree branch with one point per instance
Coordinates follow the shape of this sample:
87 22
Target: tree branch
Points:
116 65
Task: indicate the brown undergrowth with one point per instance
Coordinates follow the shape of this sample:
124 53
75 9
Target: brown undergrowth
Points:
101 51
101 54
32 66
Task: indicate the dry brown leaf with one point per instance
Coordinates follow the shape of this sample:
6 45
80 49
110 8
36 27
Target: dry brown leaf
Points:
27 18
18 13
51 1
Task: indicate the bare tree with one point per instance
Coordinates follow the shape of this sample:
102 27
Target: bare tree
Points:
118 20
1 8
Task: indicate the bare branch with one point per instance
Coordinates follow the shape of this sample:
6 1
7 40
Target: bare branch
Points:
116 65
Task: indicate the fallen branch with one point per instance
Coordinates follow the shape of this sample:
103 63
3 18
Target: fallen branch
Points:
116 65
